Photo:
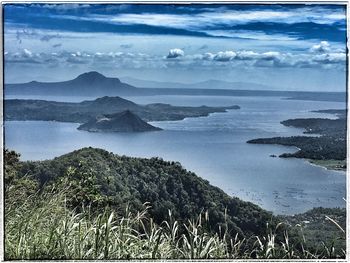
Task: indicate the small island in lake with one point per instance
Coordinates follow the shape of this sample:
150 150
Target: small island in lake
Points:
125 121
92 112
327 150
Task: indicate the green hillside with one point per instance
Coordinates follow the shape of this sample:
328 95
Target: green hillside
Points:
93 204
122 181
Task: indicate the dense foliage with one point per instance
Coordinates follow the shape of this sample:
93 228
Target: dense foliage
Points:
330 145
320 224
16 109
66 209
123 181
318 148
325 127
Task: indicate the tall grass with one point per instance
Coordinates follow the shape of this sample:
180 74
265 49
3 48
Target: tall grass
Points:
43 227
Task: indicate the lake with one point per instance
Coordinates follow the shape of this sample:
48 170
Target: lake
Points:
213 147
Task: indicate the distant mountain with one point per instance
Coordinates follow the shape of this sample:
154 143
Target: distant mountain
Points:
125 121
94 84
87 84
209 84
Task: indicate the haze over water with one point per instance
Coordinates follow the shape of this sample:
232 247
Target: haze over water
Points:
213 147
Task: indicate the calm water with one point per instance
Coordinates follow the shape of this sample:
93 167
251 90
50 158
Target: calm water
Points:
213 147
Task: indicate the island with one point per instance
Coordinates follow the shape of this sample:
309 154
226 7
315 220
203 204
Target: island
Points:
326 148
124 121
89 112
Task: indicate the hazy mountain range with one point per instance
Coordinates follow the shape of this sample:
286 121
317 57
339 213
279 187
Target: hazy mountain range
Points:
98 85
209 84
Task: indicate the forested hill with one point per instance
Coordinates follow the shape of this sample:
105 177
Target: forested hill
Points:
124 121
16 109
74 207
104 178
330 146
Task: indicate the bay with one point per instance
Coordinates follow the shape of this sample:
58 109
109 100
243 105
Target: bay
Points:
213 147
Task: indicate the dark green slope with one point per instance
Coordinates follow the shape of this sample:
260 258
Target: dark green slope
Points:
329 145
84 111
166 185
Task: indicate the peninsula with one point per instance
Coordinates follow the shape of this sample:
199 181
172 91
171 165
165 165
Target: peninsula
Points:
328 149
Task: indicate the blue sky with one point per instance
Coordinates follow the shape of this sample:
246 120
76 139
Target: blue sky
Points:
294 47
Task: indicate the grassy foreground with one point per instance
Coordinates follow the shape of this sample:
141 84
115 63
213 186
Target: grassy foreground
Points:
43 227
70 217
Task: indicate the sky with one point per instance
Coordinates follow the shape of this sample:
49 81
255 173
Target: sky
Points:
287 47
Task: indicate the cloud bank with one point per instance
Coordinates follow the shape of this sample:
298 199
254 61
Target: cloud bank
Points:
319 56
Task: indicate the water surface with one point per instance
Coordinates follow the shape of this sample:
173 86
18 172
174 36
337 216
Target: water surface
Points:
213 147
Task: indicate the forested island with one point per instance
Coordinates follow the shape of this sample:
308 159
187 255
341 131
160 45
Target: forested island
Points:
93 204
124 121
327 149
94 110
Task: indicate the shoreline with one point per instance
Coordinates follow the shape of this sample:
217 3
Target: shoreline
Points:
328 168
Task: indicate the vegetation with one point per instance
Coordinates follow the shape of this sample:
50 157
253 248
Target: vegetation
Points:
124 121
330 164
315 148
104 178
330 146
85 111
325 127
70 208
320 225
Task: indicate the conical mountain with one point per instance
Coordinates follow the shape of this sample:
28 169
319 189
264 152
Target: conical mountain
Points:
92 76
124 121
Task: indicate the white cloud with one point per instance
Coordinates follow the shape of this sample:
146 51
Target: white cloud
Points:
212 17
208 56
247 55
249 34
328 58
323 47
27 53
274 59
271 55
224 56
176 52
63 6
